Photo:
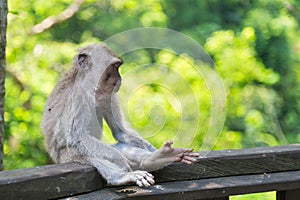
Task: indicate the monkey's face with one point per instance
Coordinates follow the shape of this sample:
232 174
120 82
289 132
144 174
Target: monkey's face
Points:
105 70
99 69
110 81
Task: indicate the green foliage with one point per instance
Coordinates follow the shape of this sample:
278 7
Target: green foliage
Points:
157 107
250 102
260 196
255 46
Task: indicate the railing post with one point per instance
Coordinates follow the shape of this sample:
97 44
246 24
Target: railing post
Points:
288 195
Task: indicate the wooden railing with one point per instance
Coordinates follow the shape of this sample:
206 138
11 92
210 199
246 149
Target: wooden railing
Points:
217 175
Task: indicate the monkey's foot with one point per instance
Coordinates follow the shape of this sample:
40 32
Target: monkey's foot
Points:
167 155
141 178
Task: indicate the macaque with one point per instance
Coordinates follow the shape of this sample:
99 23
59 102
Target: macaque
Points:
72 123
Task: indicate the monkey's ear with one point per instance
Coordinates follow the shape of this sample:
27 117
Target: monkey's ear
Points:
84 61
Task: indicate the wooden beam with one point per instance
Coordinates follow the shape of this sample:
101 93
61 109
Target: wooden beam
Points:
49 182
288 195
234 162
61 180
213 188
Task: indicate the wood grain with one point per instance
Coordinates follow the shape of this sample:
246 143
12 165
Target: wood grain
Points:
47 182
57 181
234 162
203 189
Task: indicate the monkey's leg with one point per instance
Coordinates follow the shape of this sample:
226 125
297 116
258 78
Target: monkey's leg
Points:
115 176
110 163
150 161
133 154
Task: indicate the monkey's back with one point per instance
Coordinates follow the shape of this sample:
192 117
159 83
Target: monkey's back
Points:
52 120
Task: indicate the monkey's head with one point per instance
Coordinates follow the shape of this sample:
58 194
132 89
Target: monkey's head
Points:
98 68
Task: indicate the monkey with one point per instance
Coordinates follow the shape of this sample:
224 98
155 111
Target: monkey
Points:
72 123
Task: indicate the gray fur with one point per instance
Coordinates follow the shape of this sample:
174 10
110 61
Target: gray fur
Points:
72 123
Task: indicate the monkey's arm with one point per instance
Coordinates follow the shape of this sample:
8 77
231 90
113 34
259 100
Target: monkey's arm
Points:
120 130
141 154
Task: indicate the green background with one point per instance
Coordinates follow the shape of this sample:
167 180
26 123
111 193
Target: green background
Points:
255 45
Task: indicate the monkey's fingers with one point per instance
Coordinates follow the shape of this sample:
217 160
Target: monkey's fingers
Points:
149 175
145 182
186 161
193 154
189 159
187 150
168 143
147 179
139 183
144 179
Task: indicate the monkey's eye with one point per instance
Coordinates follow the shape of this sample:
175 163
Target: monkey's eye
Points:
117 64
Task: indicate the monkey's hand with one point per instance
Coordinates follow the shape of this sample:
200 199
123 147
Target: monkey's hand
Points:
141 178
167 155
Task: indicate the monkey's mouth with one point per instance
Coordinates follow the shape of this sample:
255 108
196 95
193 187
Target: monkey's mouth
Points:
108 84
117 86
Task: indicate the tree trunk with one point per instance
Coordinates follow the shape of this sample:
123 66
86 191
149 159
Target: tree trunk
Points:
3 24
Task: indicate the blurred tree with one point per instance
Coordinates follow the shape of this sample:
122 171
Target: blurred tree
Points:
3 22
275 45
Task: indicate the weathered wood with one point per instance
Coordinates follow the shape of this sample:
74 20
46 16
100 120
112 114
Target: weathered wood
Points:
288 195
56 181
48 182
234 162
212 188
